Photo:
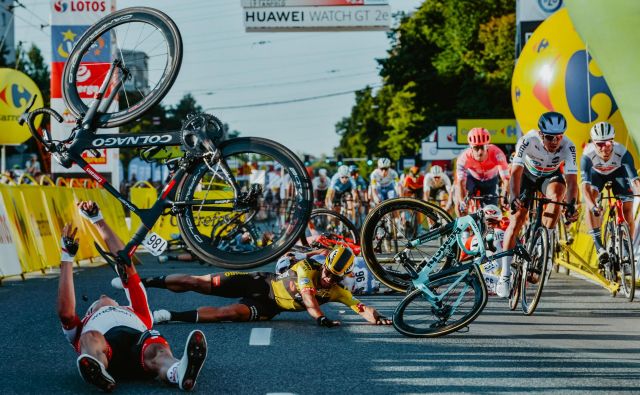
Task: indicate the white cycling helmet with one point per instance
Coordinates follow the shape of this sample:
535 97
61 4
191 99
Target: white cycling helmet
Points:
322 172
343 171
492 212
436 170
384 163
602 131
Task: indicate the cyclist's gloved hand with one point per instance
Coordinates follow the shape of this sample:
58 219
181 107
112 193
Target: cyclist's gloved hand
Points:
570 212
90 211
327 323
69 243
515 205
596 211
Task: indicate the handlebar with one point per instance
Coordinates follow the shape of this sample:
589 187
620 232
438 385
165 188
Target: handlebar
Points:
29 117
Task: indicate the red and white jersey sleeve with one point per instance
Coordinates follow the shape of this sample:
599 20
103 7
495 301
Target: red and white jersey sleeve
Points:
495 164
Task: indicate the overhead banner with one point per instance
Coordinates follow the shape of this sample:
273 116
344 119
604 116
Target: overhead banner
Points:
305 3
317 18
503 131
69 20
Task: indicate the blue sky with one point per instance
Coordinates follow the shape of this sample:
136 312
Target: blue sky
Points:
225 67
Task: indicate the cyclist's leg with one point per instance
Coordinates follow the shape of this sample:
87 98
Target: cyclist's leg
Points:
490 188
554 188
594 224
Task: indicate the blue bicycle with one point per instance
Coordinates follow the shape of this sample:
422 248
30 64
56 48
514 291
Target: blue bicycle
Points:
445 301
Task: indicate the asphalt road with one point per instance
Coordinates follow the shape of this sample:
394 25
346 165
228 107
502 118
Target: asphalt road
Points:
579 340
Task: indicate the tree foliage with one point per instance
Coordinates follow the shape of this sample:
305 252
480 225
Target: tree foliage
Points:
448 60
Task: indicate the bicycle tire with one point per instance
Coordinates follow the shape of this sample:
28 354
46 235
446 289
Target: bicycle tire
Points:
627 270
288 234
611 246
381 263
350 228
149 16
516 279
538 251
411 318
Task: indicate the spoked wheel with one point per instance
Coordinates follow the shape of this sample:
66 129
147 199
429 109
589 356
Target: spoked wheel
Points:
516 280
459 299
533 272
611 244
627 272
226 230
327 228
148 46
384 235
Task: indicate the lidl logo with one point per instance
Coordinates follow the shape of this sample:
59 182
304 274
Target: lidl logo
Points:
64 37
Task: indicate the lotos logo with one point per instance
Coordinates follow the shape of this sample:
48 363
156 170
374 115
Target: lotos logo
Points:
60 6
80 6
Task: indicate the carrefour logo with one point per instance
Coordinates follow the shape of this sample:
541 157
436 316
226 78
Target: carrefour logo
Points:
80 6
19 95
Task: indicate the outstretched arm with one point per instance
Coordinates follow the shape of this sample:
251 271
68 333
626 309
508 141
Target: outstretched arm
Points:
373 316
66 292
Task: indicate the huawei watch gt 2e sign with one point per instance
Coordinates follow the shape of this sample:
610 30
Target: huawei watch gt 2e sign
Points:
316 15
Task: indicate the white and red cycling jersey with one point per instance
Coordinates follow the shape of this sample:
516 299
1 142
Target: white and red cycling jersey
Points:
531 154
495 164
136 316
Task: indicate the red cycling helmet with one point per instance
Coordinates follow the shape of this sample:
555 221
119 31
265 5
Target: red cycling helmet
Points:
478 136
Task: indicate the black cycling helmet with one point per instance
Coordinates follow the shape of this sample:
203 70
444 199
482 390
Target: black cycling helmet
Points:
552 123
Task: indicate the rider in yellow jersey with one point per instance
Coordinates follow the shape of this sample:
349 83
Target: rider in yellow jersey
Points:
305 286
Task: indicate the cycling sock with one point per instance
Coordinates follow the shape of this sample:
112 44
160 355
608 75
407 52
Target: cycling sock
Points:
184 316
506 266
597 238
154 282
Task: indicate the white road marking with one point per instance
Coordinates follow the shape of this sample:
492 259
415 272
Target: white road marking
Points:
260 337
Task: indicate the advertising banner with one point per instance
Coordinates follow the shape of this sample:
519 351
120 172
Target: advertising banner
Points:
375 17
447 138
503 131
430 151
9 264
16 92
303 3
529 15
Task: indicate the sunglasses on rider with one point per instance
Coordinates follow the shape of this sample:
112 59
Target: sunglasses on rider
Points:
605 143
551 137
384 168
479 147
344 177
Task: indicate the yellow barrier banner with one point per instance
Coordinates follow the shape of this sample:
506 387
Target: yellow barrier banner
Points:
46 242
9 264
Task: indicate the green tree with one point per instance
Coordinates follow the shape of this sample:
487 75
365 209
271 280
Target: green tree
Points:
31 62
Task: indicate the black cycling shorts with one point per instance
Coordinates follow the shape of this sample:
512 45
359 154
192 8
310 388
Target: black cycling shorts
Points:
126 352
531 184
619 180
485 188
254 289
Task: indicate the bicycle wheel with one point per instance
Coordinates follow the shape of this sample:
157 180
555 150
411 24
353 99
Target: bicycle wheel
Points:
148 44
516 280
463 297
533 272
627 270
611 244
333 226
383 236
210 228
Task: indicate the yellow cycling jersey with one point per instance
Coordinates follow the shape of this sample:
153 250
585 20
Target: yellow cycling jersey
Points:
306 275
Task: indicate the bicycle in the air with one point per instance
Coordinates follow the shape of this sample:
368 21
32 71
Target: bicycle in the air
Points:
445 301
620 267
211 201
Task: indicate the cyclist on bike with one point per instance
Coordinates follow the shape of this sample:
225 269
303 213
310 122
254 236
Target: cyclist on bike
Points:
342 187
413 183
536 167
436 183
362 190
479 169
304 287
605 160
115 341
384 181
320 187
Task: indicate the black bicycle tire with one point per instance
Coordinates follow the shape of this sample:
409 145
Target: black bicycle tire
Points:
481 297
516 279
156 18
629 291
368 228
610 238
249 260
340 217
528 308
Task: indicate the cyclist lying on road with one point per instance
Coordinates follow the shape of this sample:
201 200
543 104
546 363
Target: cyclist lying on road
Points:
117 341
306 286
